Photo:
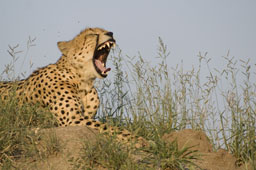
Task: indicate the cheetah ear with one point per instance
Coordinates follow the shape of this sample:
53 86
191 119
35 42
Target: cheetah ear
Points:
64 47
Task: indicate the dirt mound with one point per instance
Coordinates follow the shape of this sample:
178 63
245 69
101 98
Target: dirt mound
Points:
220 160
71 139
189 137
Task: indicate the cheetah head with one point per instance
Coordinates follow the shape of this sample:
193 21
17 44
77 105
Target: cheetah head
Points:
88 52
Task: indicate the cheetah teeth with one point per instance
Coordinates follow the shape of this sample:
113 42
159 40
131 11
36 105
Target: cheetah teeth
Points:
109 44
103 46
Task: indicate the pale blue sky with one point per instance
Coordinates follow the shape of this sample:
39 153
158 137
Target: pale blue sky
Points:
186 26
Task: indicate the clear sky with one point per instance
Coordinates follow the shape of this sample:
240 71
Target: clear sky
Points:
186 27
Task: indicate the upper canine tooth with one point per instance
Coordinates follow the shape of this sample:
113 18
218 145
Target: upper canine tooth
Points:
114 45
103 46
108 44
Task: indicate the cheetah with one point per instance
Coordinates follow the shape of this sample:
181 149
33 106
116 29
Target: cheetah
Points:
67 86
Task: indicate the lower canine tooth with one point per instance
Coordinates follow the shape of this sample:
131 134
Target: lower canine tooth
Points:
104 73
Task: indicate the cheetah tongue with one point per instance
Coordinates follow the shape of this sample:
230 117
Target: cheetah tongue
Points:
101 67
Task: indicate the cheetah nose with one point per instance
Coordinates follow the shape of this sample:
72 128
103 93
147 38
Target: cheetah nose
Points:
109 34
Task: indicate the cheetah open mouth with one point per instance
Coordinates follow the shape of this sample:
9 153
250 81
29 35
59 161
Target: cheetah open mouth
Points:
101 55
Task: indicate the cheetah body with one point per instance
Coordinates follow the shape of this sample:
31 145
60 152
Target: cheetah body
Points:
67 87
